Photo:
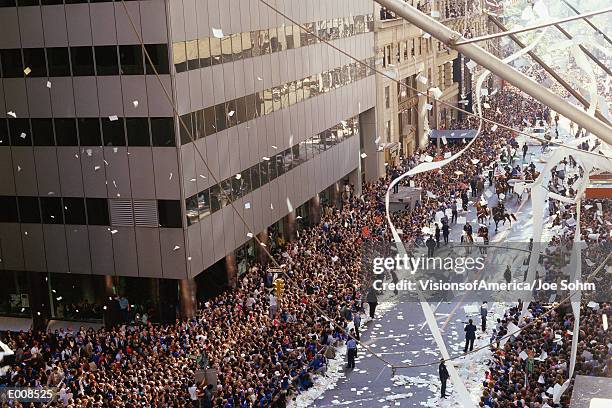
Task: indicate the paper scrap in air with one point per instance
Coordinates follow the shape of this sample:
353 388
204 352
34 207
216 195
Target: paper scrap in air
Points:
27 71
113 118
217 32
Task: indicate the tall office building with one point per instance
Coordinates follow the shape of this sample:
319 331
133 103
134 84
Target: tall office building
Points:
103 190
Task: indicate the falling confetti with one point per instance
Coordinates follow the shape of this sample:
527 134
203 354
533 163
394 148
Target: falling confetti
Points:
250 234
114 231
11 114
189 258
289 205
22 135
238 176
274 147
259 79
271 206
363 155
265 158
170 178
49 84
231 113
176 248
76 155
193 180
89 152
96 168
27 71
202 176
113 118
247 205
135 103
18 168
217 32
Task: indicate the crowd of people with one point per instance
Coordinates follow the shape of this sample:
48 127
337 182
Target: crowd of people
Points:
265 349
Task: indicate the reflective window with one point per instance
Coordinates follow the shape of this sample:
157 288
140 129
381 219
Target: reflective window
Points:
19 129
169 213
159 56
162 132
179 56
4 134
267 97
59 61
51 210
131 60
255 181
82 61
66 132
106 60
264 41
215 50
137 131
221 117
236 187
282 39
29 212
185 128
263 172
230 113
273 34
74 211
12 66
237 46
288 159
113 132
226 49
247 46
34 59
210 121
255 48
8 209
204 52
42 131
289 37
225 195
97 211
193 58
215 202
276 98
245 178
203 204
191 210
89 131
241 110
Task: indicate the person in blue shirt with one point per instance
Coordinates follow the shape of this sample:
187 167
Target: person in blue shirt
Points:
351 349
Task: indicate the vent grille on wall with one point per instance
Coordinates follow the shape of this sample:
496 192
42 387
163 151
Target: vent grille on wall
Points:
145 213
128 213
121 213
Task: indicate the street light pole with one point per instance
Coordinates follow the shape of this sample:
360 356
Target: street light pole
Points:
498 67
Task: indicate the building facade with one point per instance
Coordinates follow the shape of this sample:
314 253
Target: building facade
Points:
408 55
115 181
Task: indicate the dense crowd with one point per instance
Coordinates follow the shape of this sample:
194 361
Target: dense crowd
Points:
265 349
